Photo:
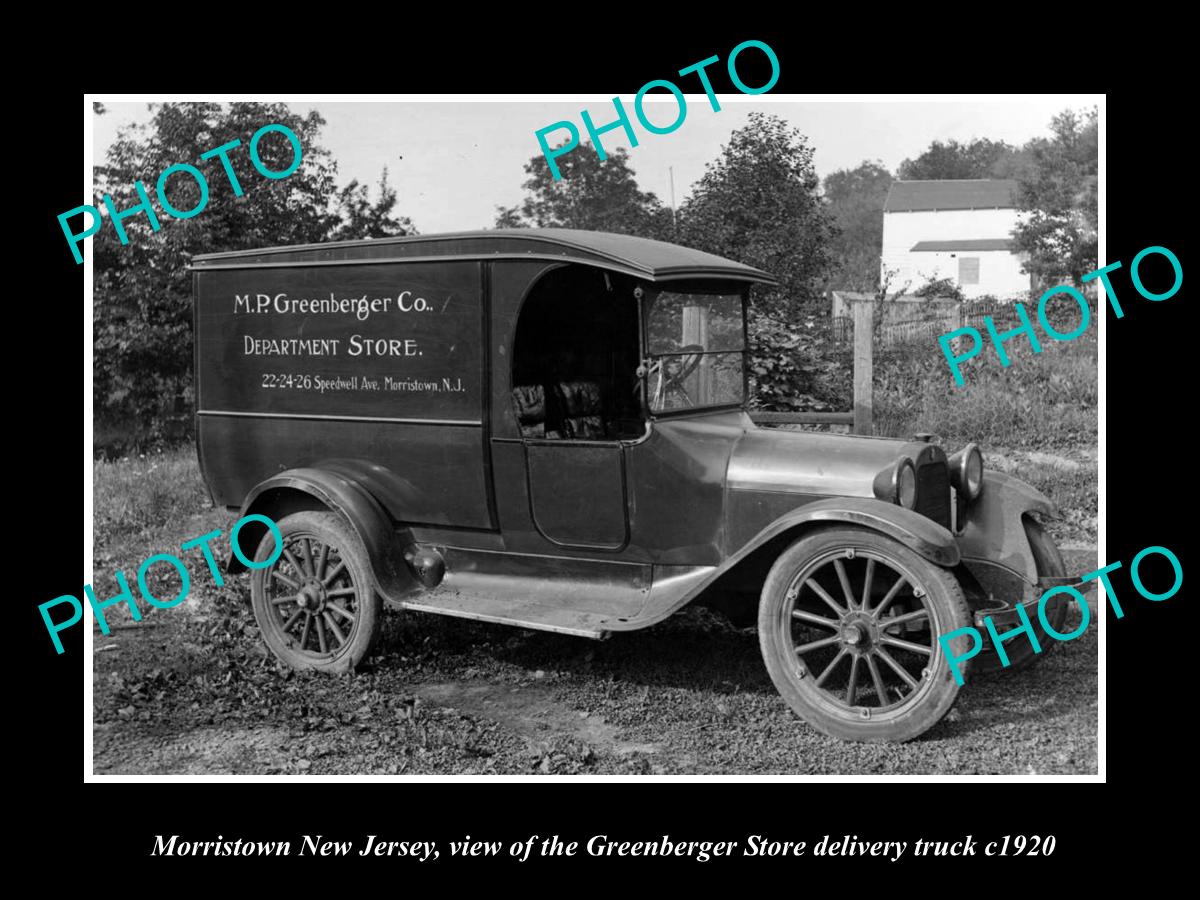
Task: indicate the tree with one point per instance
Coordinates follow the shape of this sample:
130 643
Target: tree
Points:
855 199
759 203
360 218
979 158
508 218
1059 196
594 194
142 350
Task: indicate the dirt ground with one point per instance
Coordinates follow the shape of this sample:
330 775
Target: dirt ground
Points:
192 690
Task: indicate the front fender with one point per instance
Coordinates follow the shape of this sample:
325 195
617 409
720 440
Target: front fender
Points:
675 586
913 530
312 488
995 531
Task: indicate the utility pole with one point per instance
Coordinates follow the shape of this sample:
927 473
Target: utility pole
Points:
674 219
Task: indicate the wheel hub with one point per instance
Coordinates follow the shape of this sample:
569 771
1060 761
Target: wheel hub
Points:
858 632
311 596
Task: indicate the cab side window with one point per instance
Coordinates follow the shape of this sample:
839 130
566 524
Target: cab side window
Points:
575 356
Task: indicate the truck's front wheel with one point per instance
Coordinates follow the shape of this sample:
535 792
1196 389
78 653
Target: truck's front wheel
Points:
316 604
849 622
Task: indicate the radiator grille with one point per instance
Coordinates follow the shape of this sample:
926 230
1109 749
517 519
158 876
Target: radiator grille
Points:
933 492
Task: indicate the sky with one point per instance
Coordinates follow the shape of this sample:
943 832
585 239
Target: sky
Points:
453 163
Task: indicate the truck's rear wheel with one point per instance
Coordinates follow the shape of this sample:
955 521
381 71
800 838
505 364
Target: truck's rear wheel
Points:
849 622
316 604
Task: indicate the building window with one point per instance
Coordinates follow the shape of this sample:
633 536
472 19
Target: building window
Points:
968 270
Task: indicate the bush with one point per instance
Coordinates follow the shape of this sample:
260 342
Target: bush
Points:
941 289
798 368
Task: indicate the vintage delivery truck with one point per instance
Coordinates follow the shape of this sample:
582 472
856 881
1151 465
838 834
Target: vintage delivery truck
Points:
548 428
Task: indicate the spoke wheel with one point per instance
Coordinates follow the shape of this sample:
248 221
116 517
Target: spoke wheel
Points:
849 624
316 604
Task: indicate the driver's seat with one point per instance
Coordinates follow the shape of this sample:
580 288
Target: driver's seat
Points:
581 408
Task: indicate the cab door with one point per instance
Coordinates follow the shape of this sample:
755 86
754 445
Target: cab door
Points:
577 492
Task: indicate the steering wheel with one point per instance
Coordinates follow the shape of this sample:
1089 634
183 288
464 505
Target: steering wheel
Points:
687 364
689 357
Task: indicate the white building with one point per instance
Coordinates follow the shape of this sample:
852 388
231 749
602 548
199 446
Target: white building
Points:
961 230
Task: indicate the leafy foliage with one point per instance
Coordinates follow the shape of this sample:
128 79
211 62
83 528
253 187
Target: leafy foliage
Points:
855 198
142 291
796 365
980 158
360 218
1059 195
942 289
593 195
759 203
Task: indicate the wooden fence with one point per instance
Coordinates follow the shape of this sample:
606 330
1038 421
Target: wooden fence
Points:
905 319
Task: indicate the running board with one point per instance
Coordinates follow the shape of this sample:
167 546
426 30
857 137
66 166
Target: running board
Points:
583 597
536 616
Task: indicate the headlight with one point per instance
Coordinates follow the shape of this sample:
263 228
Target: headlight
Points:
966 471
906 485
897 484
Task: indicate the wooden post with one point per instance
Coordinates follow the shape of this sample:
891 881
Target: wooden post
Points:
864 316
695 331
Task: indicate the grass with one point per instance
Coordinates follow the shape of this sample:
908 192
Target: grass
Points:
151 503
1036 419
1040 401
143 493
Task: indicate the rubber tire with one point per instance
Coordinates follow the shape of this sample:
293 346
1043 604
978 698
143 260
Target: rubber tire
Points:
934 697
328 528
1020 651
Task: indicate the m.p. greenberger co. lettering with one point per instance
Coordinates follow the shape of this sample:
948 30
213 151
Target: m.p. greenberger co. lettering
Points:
360 307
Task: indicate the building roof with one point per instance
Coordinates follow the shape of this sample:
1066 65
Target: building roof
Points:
640 257
983 244
978 193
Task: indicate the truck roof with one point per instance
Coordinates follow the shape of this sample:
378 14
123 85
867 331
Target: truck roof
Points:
640 257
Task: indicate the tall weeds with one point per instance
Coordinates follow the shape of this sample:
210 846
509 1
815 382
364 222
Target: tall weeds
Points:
1039 402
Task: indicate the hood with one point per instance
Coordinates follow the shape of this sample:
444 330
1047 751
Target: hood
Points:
804 462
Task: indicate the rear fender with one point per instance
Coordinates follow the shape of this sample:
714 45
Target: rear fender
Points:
310 488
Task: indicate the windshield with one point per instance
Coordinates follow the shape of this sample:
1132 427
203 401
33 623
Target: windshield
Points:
696 344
